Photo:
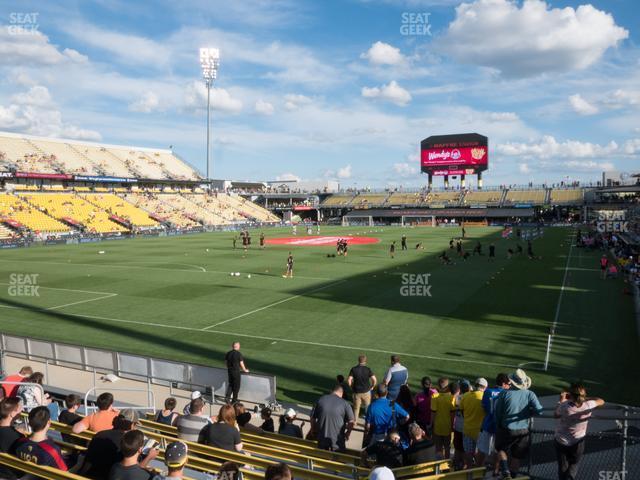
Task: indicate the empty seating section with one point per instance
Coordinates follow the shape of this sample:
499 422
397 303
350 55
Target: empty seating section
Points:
184 204
15 209
443 198
398 198
216 204
566 196
155 204
337 200
248 209
5 232
71 161
106 162
491 197
23 156
526 196
76 208
121 208
369 199
174 167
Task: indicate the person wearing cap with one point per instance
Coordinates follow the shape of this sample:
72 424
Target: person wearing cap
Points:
194 395
100 420
235 364
176 456
287 427
129 468
473 413
513 409
104 450
382 416
486 439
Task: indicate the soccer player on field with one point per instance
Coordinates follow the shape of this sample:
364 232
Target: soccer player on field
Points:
261 240
392 249
289 272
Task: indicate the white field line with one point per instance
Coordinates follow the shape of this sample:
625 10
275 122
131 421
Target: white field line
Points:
286 340
274 304
67 289
82 301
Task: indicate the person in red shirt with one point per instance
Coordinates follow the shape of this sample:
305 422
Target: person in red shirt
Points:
38 448
423 404
11 388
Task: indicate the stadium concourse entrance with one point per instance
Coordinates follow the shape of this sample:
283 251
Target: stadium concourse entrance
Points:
436 217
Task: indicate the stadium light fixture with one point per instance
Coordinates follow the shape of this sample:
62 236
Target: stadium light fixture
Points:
209 61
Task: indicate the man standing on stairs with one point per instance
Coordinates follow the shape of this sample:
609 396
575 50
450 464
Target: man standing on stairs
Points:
235 364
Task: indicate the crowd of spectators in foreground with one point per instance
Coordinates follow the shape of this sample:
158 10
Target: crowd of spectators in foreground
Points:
470 423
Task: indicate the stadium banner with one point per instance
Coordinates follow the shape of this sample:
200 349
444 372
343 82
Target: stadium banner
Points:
12 223
9 245
462 154
44 176
302 208
99 179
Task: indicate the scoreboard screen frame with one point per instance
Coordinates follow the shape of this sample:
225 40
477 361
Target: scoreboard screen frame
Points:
465 146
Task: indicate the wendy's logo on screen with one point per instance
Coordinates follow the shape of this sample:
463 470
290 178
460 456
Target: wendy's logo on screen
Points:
455 154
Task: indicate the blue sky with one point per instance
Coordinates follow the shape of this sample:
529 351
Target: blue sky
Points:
341 90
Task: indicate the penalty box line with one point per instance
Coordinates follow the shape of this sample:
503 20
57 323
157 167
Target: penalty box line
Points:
273 304
103 296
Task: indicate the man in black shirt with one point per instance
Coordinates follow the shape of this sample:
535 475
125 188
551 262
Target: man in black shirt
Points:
387 452
129 468
235 363
361 380
10 408
421 450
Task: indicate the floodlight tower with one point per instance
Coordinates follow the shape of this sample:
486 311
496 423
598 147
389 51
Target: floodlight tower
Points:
209 61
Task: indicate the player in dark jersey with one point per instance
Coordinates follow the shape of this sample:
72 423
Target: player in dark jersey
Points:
392 249
492 252
459 247
477 249
519 249
451 244
403 242
289 271
345 247
235 239
261 240
445 258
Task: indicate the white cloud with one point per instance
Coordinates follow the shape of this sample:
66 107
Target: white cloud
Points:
295 101
34 112
632 147
405 169
391 92
582 106
344 172
503 117
195 97
148 102
531 38
264 108
382 53
524 168
288 177
34 49
621 98
549 148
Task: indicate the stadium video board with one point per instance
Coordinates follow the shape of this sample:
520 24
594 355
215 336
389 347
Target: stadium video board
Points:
463 154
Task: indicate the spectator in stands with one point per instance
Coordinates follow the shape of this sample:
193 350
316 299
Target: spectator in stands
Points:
573 412
100 420
104 451
68 416
332 420
486 439
396 376
194 395
243 418
513 409
168 416
38 448
382 417
9 387
223 433
443 407
387 452
229 471
131 448
32 393
405 399
280 471
175 458
421 449
190 426
471 407
287 427
458 423
235 364
422 402
267 421
362 381
10 408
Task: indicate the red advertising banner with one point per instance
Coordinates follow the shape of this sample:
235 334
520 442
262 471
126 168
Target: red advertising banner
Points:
460 157
50 176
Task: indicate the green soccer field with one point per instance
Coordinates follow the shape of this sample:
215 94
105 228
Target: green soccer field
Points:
173 297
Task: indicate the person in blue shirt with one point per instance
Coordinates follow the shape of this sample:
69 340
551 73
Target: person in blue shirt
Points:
486 440
382 416
396 376
513 410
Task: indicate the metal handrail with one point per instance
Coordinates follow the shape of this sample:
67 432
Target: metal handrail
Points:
151 398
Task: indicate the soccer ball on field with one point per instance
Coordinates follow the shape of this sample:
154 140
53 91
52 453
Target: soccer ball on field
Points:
249 276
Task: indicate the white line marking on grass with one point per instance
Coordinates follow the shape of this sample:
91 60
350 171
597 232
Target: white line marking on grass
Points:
68 289
274 304
82 301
